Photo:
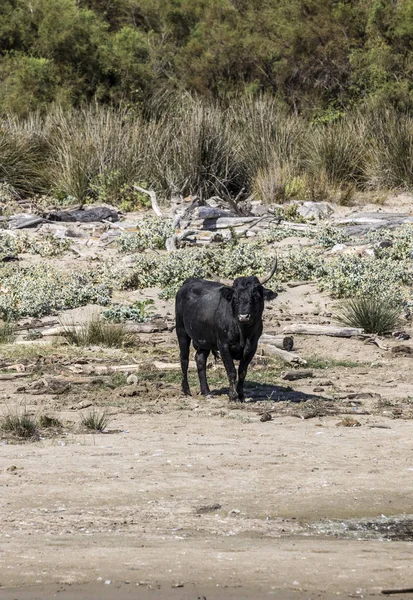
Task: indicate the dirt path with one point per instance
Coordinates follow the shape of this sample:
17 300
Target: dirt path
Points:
133 506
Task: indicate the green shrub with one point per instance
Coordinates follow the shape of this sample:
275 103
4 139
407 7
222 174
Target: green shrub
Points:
39 290
328 236
153 233
371 313
140 311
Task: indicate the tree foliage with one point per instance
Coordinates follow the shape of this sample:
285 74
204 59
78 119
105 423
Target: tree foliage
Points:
316 56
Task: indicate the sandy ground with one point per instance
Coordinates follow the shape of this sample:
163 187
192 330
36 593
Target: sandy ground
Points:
193 498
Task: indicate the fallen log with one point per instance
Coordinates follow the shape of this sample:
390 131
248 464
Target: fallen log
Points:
284 342
103 369
175 366
131 327
305 329
289 357
11 376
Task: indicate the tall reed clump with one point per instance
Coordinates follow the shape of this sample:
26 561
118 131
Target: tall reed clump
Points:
181 144
24 152
95 153
334 157
268 143
390 150
194 151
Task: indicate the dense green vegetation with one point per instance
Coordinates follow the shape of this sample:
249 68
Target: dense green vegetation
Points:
315 56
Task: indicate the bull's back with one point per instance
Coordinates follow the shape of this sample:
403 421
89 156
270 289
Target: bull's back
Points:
198 304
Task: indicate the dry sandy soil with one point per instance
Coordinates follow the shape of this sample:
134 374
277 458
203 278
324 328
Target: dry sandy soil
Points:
192 498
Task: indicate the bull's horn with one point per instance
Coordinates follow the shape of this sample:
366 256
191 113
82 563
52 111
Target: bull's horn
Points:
267 277
228 282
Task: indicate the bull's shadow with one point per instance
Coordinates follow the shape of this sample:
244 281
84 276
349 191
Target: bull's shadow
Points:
259 392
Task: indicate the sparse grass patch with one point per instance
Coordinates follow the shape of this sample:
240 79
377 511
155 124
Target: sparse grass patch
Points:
371 313
99 333
19 424
7 332
316 362
49 422
95 420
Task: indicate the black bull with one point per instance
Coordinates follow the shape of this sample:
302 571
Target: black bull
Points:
221 318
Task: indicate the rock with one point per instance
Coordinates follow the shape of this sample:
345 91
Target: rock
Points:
208 212
132 379
318 390
315 210
23 220
110 236
401 335
85 215
402 349
208 508
384 244
81 405
337 248
294 375
266 417
258 209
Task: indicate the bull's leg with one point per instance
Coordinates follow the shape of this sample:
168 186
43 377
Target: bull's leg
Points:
184 343
201 360
230 369
242 369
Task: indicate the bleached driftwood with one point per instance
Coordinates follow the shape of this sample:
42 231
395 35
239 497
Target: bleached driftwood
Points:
284 342
131 327
104 369
306 329
11 376
175 366
288 357
152 196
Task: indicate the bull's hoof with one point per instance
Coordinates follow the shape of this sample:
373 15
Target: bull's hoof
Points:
235 398
186 392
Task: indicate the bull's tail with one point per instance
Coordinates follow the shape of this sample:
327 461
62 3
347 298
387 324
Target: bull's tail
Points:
216 354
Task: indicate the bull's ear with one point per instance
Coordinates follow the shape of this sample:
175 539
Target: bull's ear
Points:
227 293
269 294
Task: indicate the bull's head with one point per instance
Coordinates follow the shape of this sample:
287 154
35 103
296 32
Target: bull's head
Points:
247 295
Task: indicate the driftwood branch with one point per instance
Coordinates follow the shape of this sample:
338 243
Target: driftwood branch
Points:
288 357
304 329
152 196
284 342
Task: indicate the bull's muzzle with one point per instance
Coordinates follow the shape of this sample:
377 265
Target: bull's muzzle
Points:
244 318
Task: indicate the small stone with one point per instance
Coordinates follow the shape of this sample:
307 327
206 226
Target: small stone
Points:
132 379
178 585
266 417
208 508
317 390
